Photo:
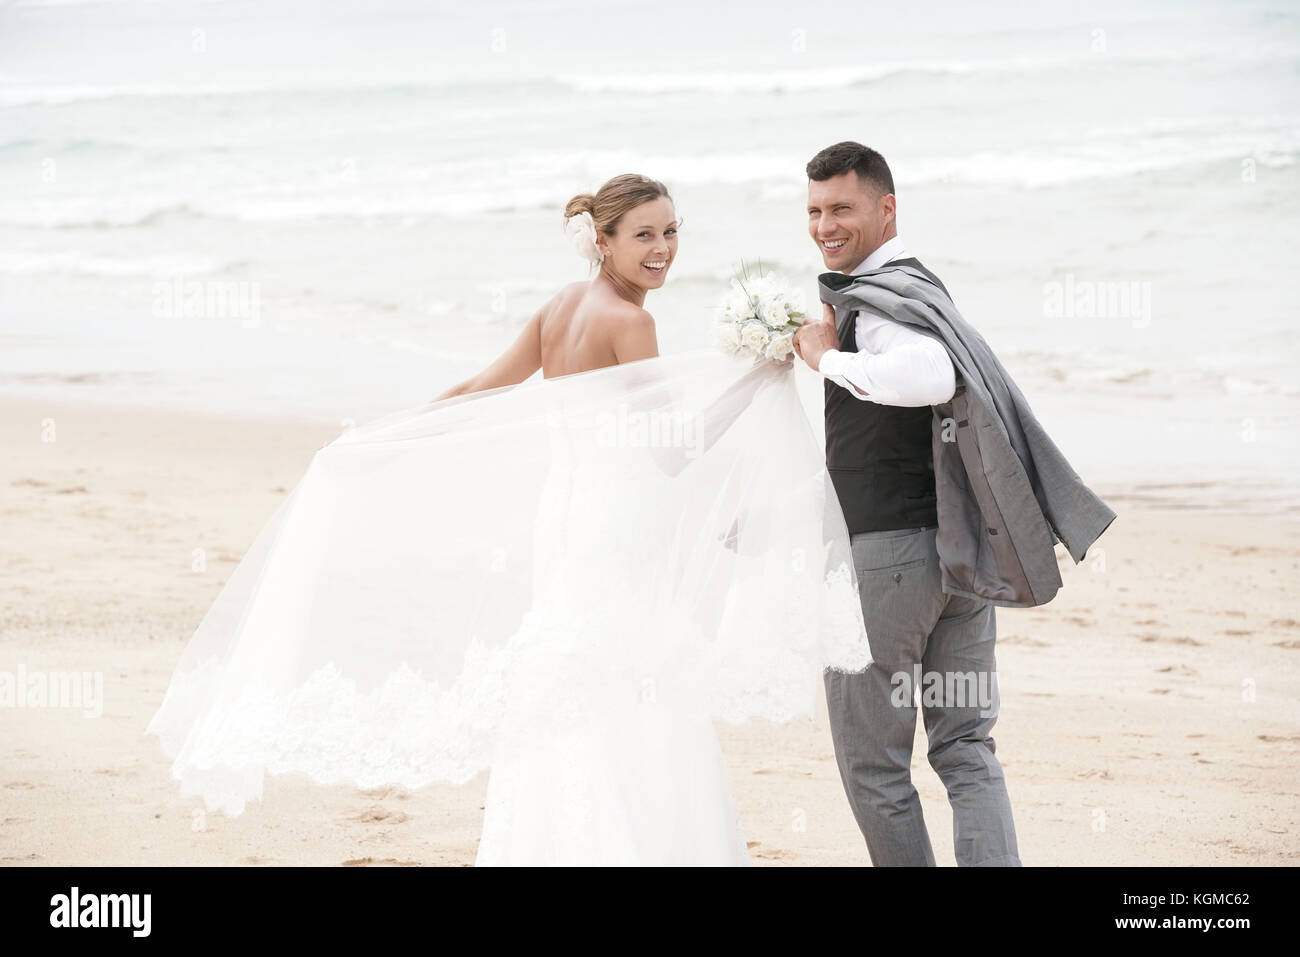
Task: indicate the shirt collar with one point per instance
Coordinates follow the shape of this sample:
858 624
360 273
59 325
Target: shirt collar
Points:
886 251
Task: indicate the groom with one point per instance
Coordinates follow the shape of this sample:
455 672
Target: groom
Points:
954 498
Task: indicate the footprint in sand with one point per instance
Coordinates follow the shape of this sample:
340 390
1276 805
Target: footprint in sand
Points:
383 793
1021 640
20 785
379 862
1094 773
1170 639
28 482
1229 844
1183 670
381 815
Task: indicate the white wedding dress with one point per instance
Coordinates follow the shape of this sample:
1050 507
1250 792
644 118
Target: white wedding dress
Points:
563 583
592 767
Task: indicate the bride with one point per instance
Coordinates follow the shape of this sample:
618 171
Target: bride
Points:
561 581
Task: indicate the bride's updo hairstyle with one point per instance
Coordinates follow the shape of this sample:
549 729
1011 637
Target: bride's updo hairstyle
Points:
612 201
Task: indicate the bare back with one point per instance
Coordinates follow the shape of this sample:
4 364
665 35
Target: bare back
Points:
582 327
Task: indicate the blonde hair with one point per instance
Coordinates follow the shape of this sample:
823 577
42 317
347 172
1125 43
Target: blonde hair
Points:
614 199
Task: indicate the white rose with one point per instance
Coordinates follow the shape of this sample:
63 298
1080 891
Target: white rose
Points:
795 305
581 230
781 347
755 336
774 314
728 334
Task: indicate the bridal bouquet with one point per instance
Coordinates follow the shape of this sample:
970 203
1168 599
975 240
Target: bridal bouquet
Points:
759 316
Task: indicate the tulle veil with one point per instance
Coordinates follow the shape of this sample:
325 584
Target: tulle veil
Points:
661 528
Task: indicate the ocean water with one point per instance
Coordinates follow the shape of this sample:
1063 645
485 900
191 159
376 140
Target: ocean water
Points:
337 209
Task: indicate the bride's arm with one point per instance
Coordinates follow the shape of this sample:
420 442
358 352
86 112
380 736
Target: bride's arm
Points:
522 359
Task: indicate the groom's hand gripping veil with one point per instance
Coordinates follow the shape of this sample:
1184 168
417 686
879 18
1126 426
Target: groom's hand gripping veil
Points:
816 337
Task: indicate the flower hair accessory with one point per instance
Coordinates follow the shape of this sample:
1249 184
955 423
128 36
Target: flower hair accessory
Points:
581 230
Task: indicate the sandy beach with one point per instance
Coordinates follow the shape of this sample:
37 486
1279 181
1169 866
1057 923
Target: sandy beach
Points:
1151 713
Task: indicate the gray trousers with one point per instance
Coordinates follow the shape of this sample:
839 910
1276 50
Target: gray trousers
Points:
942 645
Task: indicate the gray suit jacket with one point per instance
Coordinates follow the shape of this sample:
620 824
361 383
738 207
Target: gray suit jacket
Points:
1006 495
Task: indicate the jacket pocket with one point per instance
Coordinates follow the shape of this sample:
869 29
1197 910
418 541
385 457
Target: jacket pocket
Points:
891 553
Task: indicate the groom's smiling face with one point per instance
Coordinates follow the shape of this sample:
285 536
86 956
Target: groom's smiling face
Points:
848 218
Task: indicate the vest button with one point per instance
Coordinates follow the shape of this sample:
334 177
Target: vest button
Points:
898 577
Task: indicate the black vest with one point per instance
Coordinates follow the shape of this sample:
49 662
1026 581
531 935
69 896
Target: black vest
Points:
880 457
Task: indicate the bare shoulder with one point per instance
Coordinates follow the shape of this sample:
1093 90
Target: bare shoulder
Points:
613 313
563 300
631 315
568 293
632 328
633 333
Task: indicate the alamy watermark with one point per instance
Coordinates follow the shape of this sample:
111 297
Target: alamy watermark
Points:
1094 299
209 299
628 428
53 689
128 911
945 689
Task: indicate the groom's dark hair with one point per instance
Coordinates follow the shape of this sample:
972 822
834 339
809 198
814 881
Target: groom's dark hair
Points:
863 160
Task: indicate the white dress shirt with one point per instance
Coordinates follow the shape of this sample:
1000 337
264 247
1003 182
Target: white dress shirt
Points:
894 364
